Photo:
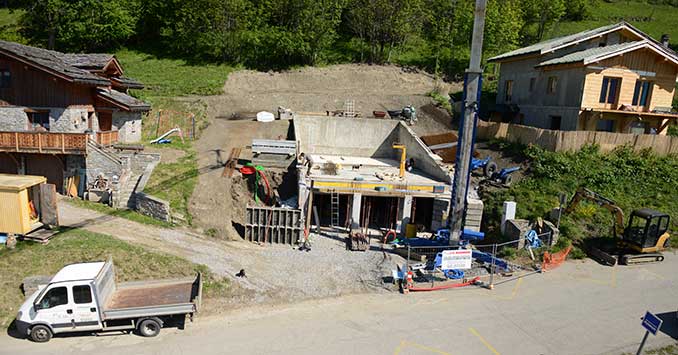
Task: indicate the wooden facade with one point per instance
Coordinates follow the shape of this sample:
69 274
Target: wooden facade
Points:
630 67
35 88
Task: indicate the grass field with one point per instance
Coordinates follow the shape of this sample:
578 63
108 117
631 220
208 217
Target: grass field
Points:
172 77
654 20
175 182
131 262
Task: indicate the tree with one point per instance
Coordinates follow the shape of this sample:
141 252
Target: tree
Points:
385 24
78 25
540 15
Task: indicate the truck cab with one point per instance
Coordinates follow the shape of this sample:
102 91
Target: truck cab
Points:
647 231
84 297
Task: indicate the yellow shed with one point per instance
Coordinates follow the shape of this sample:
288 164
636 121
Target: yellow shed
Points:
19 203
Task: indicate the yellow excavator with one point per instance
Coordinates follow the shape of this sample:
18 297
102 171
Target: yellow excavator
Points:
645 236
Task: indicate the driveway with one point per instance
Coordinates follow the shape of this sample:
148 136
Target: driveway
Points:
580 308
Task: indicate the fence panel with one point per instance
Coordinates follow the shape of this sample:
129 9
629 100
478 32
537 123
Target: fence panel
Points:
560 141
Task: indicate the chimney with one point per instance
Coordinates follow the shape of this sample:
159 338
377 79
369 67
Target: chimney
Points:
665 40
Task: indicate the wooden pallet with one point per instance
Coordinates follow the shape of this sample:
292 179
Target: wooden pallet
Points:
232 161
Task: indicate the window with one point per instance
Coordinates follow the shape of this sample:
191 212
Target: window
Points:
642 92
54 297
5 79
38 121
82 294
638 127
552 84
555 122
609 90
533 82
508 90
605 126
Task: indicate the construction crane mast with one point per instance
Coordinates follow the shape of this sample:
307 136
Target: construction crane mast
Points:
467 127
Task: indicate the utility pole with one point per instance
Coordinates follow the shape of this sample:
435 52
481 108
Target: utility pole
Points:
467 127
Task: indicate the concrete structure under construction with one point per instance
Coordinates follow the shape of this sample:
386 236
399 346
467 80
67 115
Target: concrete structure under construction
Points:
350 171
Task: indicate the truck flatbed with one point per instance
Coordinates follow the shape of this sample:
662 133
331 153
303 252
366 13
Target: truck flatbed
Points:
145 295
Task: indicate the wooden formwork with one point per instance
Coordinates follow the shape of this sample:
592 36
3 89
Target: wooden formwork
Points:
273 225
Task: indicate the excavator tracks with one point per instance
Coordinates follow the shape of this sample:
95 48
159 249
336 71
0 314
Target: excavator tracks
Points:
614 258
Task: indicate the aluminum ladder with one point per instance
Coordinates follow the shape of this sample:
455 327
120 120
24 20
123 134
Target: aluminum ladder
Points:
335 208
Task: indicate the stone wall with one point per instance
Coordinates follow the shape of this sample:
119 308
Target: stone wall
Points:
128 125
101 162
72 120
13 119
153 207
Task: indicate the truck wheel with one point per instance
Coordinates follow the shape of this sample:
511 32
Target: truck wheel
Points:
490 169
41 333
149 328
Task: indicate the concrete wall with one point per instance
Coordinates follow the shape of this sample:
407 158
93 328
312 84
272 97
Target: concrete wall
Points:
543 116
344 136
424 159
128 125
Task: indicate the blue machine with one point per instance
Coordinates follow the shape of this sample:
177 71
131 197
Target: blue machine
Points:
504 175
489 167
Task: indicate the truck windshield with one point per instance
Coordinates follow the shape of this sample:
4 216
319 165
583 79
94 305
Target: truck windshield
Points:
54 297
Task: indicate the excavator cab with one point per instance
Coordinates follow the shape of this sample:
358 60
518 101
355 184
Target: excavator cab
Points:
647 230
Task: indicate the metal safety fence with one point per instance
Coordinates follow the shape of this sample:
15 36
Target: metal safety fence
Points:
432 267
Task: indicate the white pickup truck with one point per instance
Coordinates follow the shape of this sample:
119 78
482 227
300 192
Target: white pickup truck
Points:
85 298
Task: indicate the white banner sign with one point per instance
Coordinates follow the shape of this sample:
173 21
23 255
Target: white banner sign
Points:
457 259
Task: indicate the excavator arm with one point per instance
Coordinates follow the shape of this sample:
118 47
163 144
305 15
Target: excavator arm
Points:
604 202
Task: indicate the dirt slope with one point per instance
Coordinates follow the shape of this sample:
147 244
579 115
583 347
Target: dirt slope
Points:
371 87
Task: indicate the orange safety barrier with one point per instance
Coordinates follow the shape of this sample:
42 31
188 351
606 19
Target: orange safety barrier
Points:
552 261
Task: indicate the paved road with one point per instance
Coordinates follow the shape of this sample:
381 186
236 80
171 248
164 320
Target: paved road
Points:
578 309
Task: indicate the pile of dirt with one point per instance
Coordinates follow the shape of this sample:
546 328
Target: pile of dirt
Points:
370 87
217 202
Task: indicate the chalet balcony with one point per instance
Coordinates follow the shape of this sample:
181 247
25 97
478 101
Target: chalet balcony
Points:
44 142
107 138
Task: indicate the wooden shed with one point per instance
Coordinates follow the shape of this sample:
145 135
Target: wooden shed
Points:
27 203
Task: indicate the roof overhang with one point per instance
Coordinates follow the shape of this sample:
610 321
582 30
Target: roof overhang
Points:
106 97
51 71
641 45
596 35
638 114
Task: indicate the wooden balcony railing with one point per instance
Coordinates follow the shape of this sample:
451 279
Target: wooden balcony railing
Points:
44 142
107 138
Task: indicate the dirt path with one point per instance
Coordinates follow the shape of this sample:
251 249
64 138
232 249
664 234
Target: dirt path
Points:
275 273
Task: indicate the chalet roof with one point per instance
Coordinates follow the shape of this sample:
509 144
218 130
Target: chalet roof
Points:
554 43
595 54
88 61
50 61
123 100
589 54
128 83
